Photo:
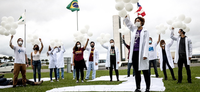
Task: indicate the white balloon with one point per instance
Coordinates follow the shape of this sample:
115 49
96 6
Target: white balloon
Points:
183 26
56 40
129 7
6 33
37 41
181 17
104 40
170 27
10 19
14 25
187 20
83 31
158 32
89 34
107 36
179 24
87 27
134 1
35 36
187 29
102 35
75 34
157 27
122 13
12 31
52 44
4 18
174 25
3 23
119 6
8 26
162 31
2 29
126 1
98 39
118 0
169 22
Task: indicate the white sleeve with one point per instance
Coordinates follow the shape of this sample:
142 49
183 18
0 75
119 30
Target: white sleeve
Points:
146 47
129 24
106 47
172 35
170 44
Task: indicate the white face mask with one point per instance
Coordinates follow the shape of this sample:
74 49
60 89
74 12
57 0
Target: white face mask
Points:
78 46
20 42
163 45
112 44
137 24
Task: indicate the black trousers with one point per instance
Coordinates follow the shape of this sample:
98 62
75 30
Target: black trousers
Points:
165 62
113 63
183 60
79 65
135 61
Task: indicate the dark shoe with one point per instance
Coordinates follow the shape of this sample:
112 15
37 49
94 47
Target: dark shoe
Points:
165 78
128 76
110 80
24 85
179 82
174 78
1 76
14 86
189 81
147 90
117 79
137 90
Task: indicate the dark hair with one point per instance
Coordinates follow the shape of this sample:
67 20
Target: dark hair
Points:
35 45
92 42
150 38
182 31
141 19
19 39
49 50
75 47
162 41
112 40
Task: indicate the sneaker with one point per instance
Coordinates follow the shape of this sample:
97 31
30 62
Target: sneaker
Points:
51 80
57 80
82 81
77 81
63 78
73 78
137 90
14 86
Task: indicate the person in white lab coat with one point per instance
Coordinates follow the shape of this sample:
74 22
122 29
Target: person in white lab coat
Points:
166 58
78 60
139 50
183 53
92 61
60 61
153 55
112 59
52 61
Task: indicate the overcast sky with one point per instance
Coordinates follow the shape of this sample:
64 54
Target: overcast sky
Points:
50 19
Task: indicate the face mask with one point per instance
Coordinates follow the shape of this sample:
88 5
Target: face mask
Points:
137 24
92 46
78 46
150 41
163 45
112 44
36 48
20 42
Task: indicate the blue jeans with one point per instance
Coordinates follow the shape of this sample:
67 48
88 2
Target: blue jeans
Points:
51 70
129 68
74 74
36 65
62 73
89 68
154 62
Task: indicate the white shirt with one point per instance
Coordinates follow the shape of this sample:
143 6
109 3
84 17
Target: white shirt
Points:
19 54
152 51
36 56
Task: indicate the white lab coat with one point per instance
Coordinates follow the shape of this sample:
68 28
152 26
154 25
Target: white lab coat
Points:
169 56
144 45
95 58
53 58
108 56
60 57
188 47
72 61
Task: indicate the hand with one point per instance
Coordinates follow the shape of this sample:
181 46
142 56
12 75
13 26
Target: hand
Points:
73 64
87 39
71 70
159 61
172 28
96 63
11 36
189 58
123 36
27 65
144 58
118 62
32 66
125 16
40 39
107 68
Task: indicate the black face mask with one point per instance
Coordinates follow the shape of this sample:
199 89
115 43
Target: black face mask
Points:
36 48
92 46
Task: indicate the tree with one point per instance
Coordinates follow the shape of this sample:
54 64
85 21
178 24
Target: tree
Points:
10 58
5 58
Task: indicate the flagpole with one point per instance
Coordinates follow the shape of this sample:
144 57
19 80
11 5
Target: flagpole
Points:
77 19
25 29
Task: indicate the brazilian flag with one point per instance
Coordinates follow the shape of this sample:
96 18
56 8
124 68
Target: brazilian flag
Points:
73 6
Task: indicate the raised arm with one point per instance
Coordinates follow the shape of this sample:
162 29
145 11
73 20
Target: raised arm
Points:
41 46
11 46
86 44
158 39
172 35
106 47
129 24
171 43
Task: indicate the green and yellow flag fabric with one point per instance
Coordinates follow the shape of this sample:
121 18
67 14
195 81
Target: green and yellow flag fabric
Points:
73 6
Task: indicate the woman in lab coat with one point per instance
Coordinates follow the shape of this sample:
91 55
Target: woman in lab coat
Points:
166 60
139 50
52 61
60 61
112 60
78 60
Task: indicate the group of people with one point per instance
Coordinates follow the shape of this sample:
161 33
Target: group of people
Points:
142 53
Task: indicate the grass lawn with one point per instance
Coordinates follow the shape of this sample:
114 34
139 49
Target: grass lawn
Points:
170 85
